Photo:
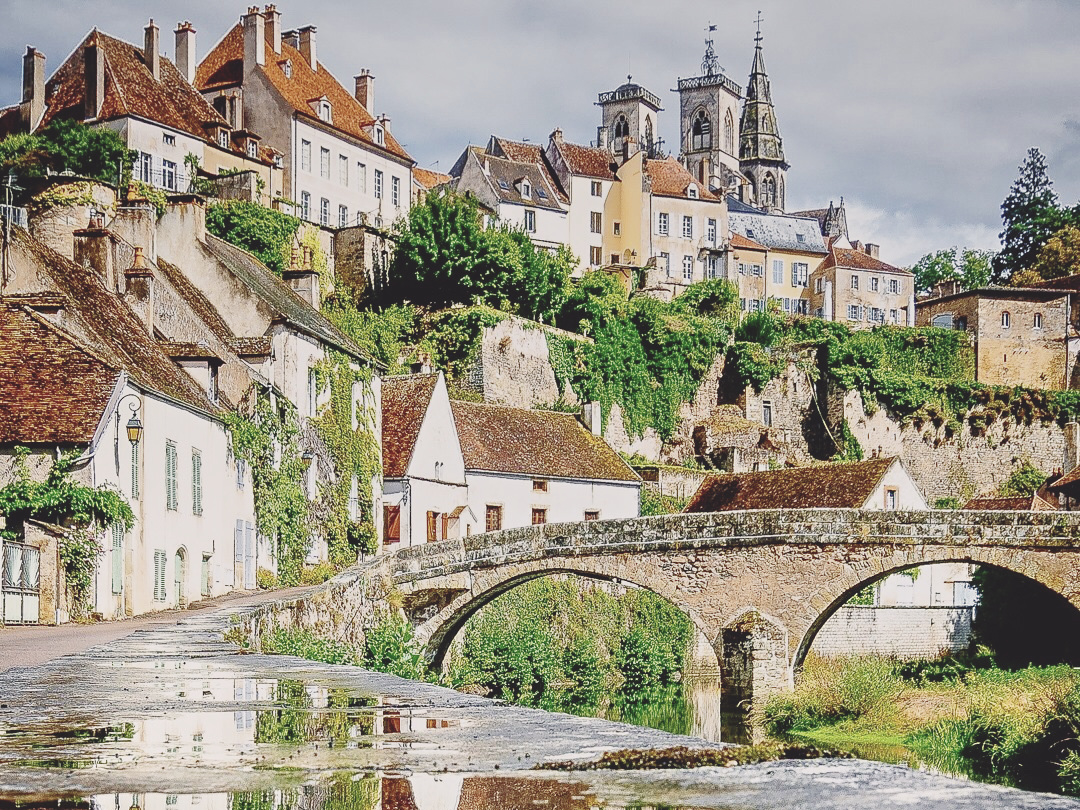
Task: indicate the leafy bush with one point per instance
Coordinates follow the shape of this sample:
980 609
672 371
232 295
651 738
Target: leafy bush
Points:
305 644
317 574
1024 481
92 152
263 232
265 579
653 503
389 646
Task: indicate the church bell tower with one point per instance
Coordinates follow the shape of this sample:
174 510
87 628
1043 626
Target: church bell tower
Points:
761 149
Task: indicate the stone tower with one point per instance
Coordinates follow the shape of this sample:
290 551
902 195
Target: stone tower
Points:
629 112
708 123
761 150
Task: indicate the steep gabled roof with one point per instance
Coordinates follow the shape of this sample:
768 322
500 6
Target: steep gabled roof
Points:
669 178
497 438
279 297
224 67
737 240
429 179
590 161
130 90
850 259
506 180
53 390
777 231
404 403
834 486
515 150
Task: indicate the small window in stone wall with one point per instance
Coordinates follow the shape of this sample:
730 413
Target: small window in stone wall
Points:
1006 320
539 485
766 414
1036 322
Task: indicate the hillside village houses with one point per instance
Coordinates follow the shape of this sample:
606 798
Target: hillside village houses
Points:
455 468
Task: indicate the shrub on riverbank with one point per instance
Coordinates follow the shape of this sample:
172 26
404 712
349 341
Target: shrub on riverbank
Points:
565 643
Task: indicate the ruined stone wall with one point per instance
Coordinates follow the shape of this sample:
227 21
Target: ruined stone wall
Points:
513 367
904 632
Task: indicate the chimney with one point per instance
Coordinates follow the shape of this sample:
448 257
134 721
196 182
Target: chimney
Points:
139 290
152 50
307 46
872 249
556 135
592 414
94 74
273 27
302 279
857 245
185 51
602 137
254 39
365 89
33 94
93 247
384 119
291 38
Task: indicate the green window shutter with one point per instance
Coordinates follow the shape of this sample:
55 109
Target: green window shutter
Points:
118 558
159 575
170 476
196 482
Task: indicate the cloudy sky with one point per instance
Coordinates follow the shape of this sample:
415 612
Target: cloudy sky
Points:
917 112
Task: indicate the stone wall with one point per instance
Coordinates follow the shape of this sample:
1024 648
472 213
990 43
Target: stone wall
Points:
904 632
677 482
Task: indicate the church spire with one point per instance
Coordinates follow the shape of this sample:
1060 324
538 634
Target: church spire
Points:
761 149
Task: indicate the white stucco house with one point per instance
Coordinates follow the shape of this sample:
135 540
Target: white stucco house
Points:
455 468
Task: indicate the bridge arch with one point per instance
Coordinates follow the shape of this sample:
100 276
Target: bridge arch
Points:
437 633
837 593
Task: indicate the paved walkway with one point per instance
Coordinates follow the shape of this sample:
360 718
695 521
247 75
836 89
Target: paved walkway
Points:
32 645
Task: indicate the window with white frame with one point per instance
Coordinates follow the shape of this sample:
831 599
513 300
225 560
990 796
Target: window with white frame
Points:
715 269
395 191
342 216
877 315
526 189
1036 321
596 188
687 227
778 271
800 306
800 274
252 149
324 211
688 268
305 206
757 270
894 286
223 139
595 256
710 231
1006 320
146 167
324 162
343 170
361 176
168 174
305 155
854 282
380 137
854 312
596 222
691 192
756 305
819 285
378 184
873 283
168 140
325 111
663 223
530 220
893 316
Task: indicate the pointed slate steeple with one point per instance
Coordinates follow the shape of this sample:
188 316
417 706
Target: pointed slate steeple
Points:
761 149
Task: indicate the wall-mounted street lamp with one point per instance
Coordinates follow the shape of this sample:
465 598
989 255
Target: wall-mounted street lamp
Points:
134 427
307 457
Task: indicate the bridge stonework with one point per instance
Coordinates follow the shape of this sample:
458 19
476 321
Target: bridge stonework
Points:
758 584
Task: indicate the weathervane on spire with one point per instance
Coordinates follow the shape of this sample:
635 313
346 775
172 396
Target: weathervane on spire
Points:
757 37
710 65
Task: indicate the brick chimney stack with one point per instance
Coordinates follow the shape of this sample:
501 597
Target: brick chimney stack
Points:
365 89
139 289
273 27
254 39
307 46
185 51
94 75
152 50
33 94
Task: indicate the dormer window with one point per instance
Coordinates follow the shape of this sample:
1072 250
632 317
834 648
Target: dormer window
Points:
325 113
286 66
526 189
691 192
252 149
223 139
380 136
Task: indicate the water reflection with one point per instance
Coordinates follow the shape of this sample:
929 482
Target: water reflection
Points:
366 791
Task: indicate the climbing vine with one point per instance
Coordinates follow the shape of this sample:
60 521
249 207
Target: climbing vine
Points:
347 428
83 511
265 435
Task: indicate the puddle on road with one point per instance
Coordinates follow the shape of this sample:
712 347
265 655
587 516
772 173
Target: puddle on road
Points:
365 791
278 714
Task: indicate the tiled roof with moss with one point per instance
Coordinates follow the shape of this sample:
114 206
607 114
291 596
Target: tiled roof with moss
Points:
669 178
590 161
834 486
404 403
501 439
1026 503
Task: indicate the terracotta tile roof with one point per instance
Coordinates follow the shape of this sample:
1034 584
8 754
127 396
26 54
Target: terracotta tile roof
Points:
858 260
1028 503
10 121
429 179
497 438
251 346
670 178
516 150
404 403
223 67
834 486
590 161
181 350
52 390
130 90
279 297
737 240
111 329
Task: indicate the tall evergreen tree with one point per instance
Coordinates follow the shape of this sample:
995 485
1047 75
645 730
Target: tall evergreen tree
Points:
1030 216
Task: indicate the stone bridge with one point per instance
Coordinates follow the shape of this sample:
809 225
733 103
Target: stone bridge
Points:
758 584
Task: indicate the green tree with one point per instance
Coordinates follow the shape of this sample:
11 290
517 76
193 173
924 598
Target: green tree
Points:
1030 216
597 298
92 152
1024 482
1059 257
972 268
541 282
267 234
